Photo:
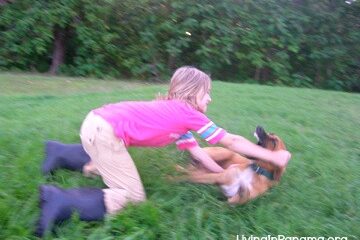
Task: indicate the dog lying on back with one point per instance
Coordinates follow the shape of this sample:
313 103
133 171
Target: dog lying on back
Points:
243 179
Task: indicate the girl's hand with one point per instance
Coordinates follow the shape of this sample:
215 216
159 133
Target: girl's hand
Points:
282 158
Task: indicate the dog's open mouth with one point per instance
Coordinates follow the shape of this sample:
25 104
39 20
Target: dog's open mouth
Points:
260 135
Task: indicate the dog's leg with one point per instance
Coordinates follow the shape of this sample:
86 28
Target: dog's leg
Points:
245 195
241 197
196 175
256 192
219 154
206 178
225 157
181 169
185 173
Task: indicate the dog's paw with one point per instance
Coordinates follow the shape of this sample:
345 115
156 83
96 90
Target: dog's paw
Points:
175 179
180 169
170 178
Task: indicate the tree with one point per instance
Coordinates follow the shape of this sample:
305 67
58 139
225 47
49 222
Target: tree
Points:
298 42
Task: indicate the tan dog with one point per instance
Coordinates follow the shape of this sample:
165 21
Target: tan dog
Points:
243 179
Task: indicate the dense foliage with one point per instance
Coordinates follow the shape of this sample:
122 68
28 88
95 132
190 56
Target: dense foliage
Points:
291 42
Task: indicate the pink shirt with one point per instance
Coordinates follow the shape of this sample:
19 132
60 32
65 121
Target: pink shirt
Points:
159 123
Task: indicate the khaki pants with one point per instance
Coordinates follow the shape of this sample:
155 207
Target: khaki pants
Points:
111 159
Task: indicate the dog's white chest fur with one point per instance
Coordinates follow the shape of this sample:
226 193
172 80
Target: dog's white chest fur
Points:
243 179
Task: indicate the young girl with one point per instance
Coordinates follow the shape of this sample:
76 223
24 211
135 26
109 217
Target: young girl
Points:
108 131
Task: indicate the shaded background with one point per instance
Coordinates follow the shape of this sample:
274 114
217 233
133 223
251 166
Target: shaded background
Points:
300 43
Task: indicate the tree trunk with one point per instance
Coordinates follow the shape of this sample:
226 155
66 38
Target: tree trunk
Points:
318 77
58 55
257 74
262 75
171 62
265 76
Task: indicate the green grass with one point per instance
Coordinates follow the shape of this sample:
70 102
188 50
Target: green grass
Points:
318 195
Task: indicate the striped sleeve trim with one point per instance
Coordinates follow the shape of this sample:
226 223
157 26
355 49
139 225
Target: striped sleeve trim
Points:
205 127
186 136
186 141
211 133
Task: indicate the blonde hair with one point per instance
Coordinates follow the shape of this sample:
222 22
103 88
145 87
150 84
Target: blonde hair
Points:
187 83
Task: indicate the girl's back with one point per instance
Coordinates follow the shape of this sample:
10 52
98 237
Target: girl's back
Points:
152 123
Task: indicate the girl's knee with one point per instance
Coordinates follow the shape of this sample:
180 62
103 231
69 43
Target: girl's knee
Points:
116 199
137 196
141 197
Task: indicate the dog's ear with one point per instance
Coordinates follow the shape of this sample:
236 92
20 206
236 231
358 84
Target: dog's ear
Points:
279 143
278 173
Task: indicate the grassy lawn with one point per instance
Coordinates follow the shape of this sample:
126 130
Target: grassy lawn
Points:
318 195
